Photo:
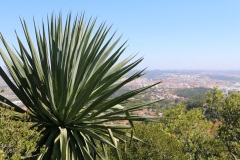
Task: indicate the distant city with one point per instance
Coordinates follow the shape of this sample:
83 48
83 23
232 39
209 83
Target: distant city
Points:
226 81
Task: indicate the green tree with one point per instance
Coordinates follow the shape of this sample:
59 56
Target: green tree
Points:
66 83
197 101
226 111
193 132
156 144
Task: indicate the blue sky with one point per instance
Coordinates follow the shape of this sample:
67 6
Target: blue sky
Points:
169 34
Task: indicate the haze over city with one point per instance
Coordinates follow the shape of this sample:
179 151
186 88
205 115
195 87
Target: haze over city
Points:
170 35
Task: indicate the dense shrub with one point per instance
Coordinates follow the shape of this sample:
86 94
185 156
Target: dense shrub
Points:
17 139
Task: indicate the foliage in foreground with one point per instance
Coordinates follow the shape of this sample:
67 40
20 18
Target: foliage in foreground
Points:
17 139
181 133
156 144
192 134
226 110
66 83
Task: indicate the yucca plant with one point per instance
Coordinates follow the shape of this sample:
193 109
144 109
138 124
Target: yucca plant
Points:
66 83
